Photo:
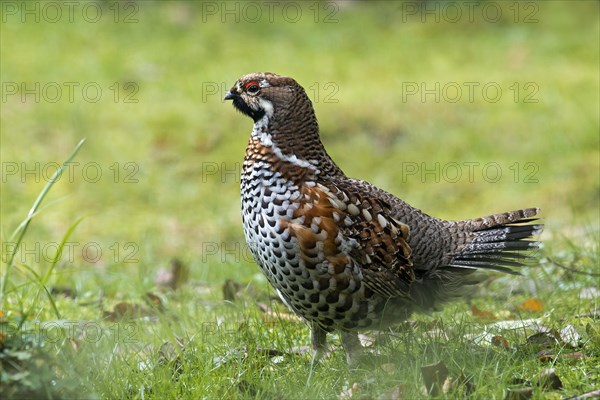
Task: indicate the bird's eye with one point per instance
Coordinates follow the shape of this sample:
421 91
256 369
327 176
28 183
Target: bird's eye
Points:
252 87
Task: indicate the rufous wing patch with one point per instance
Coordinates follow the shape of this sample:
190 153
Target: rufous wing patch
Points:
378 242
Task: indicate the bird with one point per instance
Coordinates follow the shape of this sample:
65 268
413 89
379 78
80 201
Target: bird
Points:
341 253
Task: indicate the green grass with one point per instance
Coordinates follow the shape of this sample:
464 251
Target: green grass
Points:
169 188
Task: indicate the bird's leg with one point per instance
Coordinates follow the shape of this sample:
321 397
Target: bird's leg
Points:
319 341
352 347
319 346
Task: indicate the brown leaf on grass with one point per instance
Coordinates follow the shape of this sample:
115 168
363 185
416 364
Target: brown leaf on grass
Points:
63 290
434 376
482 314
533 305
549 380
121 310
231 290
124 310
550 356
269 351
177 275
500 341
542 340
169 354
545 355
155 301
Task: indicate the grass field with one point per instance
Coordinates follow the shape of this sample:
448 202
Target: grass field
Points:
461 109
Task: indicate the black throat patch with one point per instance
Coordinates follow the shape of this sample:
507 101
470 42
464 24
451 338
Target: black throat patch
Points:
241 105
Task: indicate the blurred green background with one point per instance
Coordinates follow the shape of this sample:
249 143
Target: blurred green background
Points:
143 83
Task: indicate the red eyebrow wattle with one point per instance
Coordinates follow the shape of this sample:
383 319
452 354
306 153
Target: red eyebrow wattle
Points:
247 85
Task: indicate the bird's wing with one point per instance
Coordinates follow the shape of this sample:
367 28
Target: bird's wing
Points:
345 225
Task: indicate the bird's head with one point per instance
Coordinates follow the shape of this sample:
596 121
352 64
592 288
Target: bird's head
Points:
283 116
260 93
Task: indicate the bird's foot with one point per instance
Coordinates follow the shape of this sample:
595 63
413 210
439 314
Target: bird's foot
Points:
354 350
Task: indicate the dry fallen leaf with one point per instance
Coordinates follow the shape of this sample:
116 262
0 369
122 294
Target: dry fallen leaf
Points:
174 277
534 305
121 310
542 340
549 380
124 310
434 376
231 290
500 341
168 354
271 352
155 301
63 290
550 356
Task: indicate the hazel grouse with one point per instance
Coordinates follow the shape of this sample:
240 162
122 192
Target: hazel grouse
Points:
341 253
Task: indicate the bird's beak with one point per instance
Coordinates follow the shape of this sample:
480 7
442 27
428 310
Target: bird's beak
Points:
230 95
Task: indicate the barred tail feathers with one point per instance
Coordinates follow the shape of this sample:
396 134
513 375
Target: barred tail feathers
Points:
501 242
498 242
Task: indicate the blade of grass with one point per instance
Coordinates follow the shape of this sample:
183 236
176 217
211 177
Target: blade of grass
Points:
22 229
42 281
38 279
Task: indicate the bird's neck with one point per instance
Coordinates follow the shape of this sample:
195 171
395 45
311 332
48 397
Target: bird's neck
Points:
296 139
